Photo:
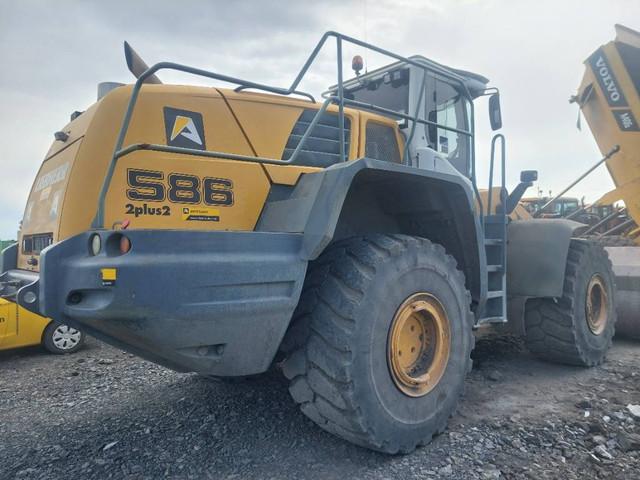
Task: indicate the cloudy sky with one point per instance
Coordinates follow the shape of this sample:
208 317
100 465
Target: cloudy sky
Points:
53 54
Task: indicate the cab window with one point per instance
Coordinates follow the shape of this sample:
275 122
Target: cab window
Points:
570 207
390 91
447 107
381 143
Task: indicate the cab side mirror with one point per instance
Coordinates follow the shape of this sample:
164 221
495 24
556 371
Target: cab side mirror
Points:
528 176
495 115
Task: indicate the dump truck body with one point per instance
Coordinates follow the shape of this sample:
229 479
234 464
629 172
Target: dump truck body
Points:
609 98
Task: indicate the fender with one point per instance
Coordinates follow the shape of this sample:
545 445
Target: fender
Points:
366 196
537 256
9 258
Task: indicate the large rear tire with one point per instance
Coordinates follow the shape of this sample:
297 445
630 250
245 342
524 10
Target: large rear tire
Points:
380 343
577 328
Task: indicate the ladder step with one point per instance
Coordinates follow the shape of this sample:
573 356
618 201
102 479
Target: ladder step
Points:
495 294
493 320
493 241
494 268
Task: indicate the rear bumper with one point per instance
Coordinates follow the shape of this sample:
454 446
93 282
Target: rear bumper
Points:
216 303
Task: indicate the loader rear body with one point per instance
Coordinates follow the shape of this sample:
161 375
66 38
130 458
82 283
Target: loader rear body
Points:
191 221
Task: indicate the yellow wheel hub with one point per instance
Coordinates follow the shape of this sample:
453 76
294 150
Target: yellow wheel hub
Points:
597 306
419 344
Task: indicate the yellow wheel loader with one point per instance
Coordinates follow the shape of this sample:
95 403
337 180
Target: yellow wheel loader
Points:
214 230
609 99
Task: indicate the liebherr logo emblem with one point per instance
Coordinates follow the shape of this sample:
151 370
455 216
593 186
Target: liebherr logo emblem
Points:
184 128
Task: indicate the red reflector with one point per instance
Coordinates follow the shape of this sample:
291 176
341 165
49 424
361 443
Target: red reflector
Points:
125 244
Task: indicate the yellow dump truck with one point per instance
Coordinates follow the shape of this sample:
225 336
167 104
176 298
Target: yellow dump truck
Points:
609 98
217 230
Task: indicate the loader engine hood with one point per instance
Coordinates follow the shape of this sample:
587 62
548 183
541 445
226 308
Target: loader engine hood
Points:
151 189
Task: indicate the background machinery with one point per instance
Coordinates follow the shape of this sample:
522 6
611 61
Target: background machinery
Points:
609 98
21 328
219 230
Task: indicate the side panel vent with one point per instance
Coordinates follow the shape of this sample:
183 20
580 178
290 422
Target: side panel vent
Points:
34 244
322 147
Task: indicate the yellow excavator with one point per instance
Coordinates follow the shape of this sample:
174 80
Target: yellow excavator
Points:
609 99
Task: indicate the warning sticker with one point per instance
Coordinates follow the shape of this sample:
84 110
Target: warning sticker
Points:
109 276
199 214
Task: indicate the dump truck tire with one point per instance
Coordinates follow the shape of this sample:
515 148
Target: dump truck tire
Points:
577 328
364 300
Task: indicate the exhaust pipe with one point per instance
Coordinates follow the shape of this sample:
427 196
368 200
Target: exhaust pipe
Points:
137 65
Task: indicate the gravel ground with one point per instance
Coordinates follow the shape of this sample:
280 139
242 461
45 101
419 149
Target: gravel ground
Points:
102 413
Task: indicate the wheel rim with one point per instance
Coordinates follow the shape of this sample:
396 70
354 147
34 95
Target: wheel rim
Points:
597 306
419 344
65 337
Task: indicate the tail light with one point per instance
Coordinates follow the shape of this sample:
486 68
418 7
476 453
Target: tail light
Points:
125 244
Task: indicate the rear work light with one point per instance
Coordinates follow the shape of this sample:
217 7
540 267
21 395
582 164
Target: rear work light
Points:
96 244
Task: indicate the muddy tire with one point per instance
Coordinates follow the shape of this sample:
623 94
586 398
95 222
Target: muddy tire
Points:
364 300
577 328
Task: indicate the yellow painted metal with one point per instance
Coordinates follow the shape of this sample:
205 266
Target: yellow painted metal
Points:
287 175
419 344
519 213
624 167
250 186
597 306
19 327
63 199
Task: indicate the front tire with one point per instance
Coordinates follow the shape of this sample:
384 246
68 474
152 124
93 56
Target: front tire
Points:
577 328
367 302
59 339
